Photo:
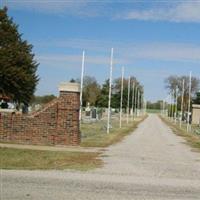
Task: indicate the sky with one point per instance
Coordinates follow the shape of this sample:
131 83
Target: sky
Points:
151 39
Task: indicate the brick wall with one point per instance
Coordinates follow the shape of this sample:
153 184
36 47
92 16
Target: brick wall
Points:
56 124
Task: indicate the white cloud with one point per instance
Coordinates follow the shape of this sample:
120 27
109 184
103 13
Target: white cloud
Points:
74 60
60 7
179 11
125 53
168 52
188 11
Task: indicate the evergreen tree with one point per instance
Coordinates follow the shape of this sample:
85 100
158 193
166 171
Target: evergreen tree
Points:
18 77
103 98
196 100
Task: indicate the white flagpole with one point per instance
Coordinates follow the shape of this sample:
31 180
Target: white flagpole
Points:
129 82
81 93
110 90
121 100
142 103
136 91
176 103
163 107
172 105
169 106
182 101
133 99
138 102
189 101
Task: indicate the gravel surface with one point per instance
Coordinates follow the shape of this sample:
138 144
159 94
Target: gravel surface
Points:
152 163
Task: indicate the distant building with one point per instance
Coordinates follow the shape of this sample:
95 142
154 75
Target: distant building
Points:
196 114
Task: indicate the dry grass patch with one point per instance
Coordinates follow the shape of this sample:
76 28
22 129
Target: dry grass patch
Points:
94 134
37 159
192 139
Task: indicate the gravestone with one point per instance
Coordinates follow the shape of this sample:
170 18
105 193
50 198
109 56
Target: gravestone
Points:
88 111
94 113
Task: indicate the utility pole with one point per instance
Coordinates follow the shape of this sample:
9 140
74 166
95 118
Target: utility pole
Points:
81 93
121 100
110 91
189 101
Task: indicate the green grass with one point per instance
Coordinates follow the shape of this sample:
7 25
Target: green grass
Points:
44 160
94 134
192 139
153 110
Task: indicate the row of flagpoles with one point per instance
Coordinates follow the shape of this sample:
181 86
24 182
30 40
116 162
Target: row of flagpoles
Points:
173 100
134 98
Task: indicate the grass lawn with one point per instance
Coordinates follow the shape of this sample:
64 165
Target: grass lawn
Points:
94 134
191 138
36 159
153 111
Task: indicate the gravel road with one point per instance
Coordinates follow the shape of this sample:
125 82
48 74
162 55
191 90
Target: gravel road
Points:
152 163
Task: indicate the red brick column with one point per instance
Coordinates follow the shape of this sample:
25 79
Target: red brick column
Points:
56 124
68 113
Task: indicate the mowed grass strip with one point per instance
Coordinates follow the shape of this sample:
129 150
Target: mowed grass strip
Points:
192 139
94 134
46 160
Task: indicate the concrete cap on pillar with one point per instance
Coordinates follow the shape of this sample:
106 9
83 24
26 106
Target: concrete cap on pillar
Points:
69 87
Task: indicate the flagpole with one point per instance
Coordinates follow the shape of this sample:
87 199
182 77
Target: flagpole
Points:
81 93
110 91
127 117
172 105
121 100
133 98
138 102
136 91
189 101
182 101
176 103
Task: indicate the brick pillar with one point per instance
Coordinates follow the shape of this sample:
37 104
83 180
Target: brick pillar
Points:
1 127
68 113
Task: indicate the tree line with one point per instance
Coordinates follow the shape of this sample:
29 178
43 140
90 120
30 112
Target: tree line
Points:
176 88
97 94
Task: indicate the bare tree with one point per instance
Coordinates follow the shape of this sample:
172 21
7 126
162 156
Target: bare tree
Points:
173 82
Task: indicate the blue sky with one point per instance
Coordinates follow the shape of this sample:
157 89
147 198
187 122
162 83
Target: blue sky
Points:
151 39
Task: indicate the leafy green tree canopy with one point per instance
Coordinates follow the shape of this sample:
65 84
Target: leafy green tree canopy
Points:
18 77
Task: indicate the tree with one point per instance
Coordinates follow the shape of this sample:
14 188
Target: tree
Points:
103 98
18 77
116 93
174 83
196 100
72 81
91 91
155 105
